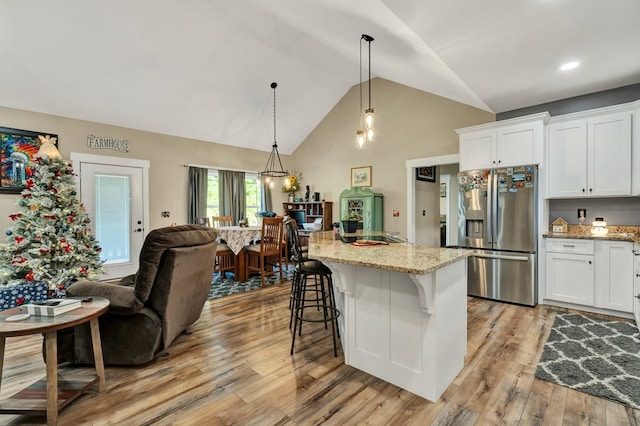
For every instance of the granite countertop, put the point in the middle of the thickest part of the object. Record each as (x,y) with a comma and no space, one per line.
(583,232)
(400,257)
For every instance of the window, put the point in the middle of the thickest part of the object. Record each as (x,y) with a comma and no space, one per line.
(213,198)
(252,196)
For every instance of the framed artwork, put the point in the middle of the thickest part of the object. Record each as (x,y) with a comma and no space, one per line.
(17,148)
(361,176)
(427,174)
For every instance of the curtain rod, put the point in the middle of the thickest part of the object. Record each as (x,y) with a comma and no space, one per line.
(219,168)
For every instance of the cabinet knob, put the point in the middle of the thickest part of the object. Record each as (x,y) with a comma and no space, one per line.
(499,161)
(590,189)
(638,296)
(583,190)
(589,262)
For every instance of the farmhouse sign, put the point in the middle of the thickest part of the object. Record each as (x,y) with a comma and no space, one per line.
(107,143)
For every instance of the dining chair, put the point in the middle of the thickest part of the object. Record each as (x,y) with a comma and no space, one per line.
(225,258)
(218,221)
(202,221)
(269,249)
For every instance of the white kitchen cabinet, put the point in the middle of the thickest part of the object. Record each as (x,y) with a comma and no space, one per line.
(636,280)
(590,157)
(570,271)
(506,143)
(614,275)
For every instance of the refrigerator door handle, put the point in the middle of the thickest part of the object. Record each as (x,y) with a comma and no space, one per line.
(490,190)
(501,256)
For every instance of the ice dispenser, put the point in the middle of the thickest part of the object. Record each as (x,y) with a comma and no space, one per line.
(474,224)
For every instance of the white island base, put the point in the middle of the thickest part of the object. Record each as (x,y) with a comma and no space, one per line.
(407,329)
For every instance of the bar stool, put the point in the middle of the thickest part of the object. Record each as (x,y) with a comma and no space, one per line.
(318,294)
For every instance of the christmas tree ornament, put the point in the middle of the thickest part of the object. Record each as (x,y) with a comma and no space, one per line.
(48,148)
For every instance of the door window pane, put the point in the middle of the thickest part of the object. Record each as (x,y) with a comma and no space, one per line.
(113,217)
(252,197)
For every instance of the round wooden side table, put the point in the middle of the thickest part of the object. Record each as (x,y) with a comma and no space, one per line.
(49,402)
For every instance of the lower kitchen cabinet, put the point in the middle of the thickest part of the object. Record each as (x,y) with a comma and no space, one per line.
(570,278)
(614,275)
(636,280)
(597,274)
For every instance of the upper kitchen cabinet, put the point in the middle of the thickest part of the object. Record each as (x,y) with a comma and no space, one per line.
(514,142)
(589,156)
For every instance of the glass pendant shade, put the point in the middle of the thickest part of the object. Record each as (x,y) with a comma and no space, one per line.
(369,127)
(360,139)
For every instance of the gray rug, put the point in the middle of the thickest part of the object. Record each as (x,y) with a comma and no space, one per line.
(225,285)
(594,356)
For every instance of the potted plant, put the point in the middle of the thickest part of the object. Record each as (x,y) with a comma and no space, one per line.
(350,222)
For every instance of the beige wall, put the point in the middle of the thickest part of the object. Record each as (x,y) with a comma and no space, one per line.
(167,155)
(410,124)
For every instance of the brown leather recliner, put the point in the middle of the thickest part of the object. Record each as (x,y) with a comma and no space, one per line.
(151,308)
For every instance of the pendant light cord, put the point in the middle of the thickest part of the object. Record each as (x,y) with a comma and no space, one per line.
(273,86)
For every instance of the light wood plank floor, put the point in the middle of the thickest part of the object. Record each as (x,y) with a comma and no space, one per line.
(235,368)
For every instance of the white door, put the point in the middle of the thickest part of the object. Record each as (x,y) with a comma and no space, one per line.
(114,196)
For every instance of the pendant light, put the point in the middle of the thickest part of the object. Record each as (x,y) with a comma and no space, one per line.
(368,122)
(273,168)
(369,119)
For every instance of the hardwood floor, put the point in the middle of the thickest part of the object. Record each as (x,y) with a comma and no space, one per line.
(235,368)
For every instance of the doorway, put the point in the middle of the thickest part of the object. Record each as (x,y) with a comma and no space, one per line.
(115,193)
(446,164)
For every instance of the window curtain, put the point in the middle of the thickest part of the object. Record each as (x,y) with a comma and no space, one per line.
(265,195)
(232,194)
(197,193)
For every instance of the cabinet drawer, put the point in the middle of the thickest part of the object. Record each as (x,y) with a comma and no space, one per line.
(559,245)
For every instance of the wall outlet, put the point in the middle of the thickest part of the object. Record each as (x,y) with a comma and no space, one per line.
(582,213)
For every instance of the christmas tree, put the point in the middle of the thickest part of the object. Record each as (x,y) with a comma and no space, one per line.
(49,241)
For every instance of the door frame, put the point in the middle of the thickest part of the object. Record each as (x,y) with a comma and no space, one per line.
(411,166)
(79,157)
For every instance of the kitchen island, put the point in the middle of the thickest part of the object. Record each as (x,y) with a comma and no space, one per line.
(403,310)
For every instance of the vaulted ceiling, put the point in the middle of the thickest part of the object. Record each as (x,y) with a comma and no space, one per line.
(202,68)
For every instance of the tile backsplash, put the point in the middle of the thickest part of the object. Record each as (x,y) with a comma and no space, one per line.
(616,211)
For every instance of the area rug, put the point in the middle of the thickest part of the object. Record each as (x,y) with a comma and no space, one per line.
(224,285)
(594,356)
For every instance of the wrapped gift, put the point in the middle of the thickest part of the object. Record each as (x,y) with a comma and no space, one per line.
(20,294)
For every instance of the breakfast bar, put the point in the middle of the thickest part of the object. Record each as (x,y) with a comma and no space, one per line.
(404,309)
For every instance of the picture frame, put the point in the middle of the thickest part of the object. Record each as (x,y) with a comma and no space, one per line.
(426,174)
(17,148)
(361,176)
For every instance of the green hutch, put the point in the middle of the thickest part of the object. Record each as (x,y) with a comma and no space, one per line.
(368,205)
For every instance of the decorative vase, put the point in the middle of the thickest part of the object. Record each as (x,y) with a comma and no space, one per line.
(292,197)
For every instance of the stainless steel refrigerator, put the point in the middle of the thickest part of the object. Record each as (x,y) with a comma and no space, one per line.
(497,218)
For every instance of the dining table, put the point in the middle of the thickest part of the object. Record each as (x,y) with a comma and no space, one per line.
(237,238)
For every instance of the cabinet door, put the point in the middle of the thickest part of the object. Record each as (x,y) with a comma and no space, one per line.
(636,280)
(614,275)
(477,150)
(609,141)
(519,145)
(569,278)
(567,159)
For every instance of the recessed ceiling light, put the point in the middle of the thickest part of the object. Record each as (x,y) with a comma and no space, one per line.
(569,66)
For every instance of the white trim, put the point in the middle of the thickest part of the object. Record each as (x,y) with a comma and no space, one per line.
(411,166)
